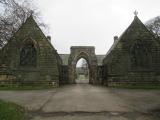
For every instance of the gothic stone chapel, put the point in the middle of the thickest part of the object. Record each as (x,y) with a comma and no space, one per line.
(29,59)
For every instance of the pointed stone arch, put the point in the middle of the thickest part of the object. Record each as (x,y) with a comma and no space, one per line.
(88,53)
(140,55)
(28,53)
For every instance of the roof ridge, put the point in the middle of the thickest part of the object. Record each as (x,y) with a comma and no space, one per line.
(136,20)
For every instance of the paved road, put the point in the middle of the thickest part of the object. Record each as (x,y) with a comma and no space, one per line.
(88,102)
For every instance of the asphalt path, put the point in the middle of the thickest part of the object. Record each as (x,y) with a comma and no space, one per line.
(87,102)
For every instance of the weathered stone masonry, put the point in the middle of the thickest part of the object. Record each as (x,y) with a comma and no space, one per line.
(134,58)
(30,59)
(69,62)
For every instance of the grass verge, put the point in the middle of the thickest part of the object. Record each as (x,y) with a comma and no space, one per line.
(25,87)
(130,86)
(11,111)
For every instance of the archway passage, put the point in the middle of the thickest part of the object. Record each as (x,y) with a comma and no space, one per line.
(82,72)
(88,53)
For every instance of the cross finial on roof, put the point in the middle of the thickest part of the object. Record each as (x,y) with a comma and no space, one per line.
(135,13)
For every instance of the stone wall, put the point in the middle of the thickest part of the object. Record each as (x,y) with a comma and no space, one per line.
(65,75)
(31,58)
(88,53)
(134,58)
(88,50)
(100,74)
(0,56)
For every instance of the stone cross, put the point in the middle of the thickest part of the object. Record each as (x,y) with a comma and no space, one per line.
(135,13)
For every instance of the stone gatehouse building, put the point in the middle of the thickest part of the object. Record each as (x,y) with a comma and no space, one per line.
(69,62)
(30,59)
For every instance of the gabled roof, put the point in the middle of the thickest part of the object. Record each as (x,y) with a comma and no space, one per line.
(137,28)
(29,29)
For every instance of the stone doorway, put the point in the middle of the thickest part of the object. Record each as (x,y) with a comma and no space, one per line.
(88,53)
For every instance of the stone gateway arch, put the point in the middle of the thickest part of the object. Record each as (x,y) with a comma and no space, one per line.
(88,53)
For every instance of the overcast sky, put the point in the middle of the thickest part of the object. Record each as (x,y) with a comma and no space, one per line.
(92,22)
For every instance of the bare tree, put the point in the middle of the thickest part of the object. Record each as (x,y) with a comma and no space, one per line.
(15,14)
(154,25)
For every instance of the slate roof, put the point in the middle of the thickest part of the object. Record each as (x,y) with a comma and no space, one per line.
(30,30)
(135,25)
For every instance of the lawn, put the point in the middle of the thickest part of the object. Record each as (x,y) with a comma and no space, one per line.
(11,87)
(11,111)
(130,86)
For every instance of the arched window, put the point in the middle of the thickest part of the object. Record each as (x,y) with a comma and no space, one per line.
(139,55)
(28,54)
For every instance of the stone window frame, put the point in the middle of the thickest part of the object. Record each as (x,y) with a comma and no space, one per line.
(36,49)
(148,55)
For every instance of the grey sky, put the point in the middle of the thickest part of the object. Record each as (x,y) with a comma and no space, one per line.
(92,22)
